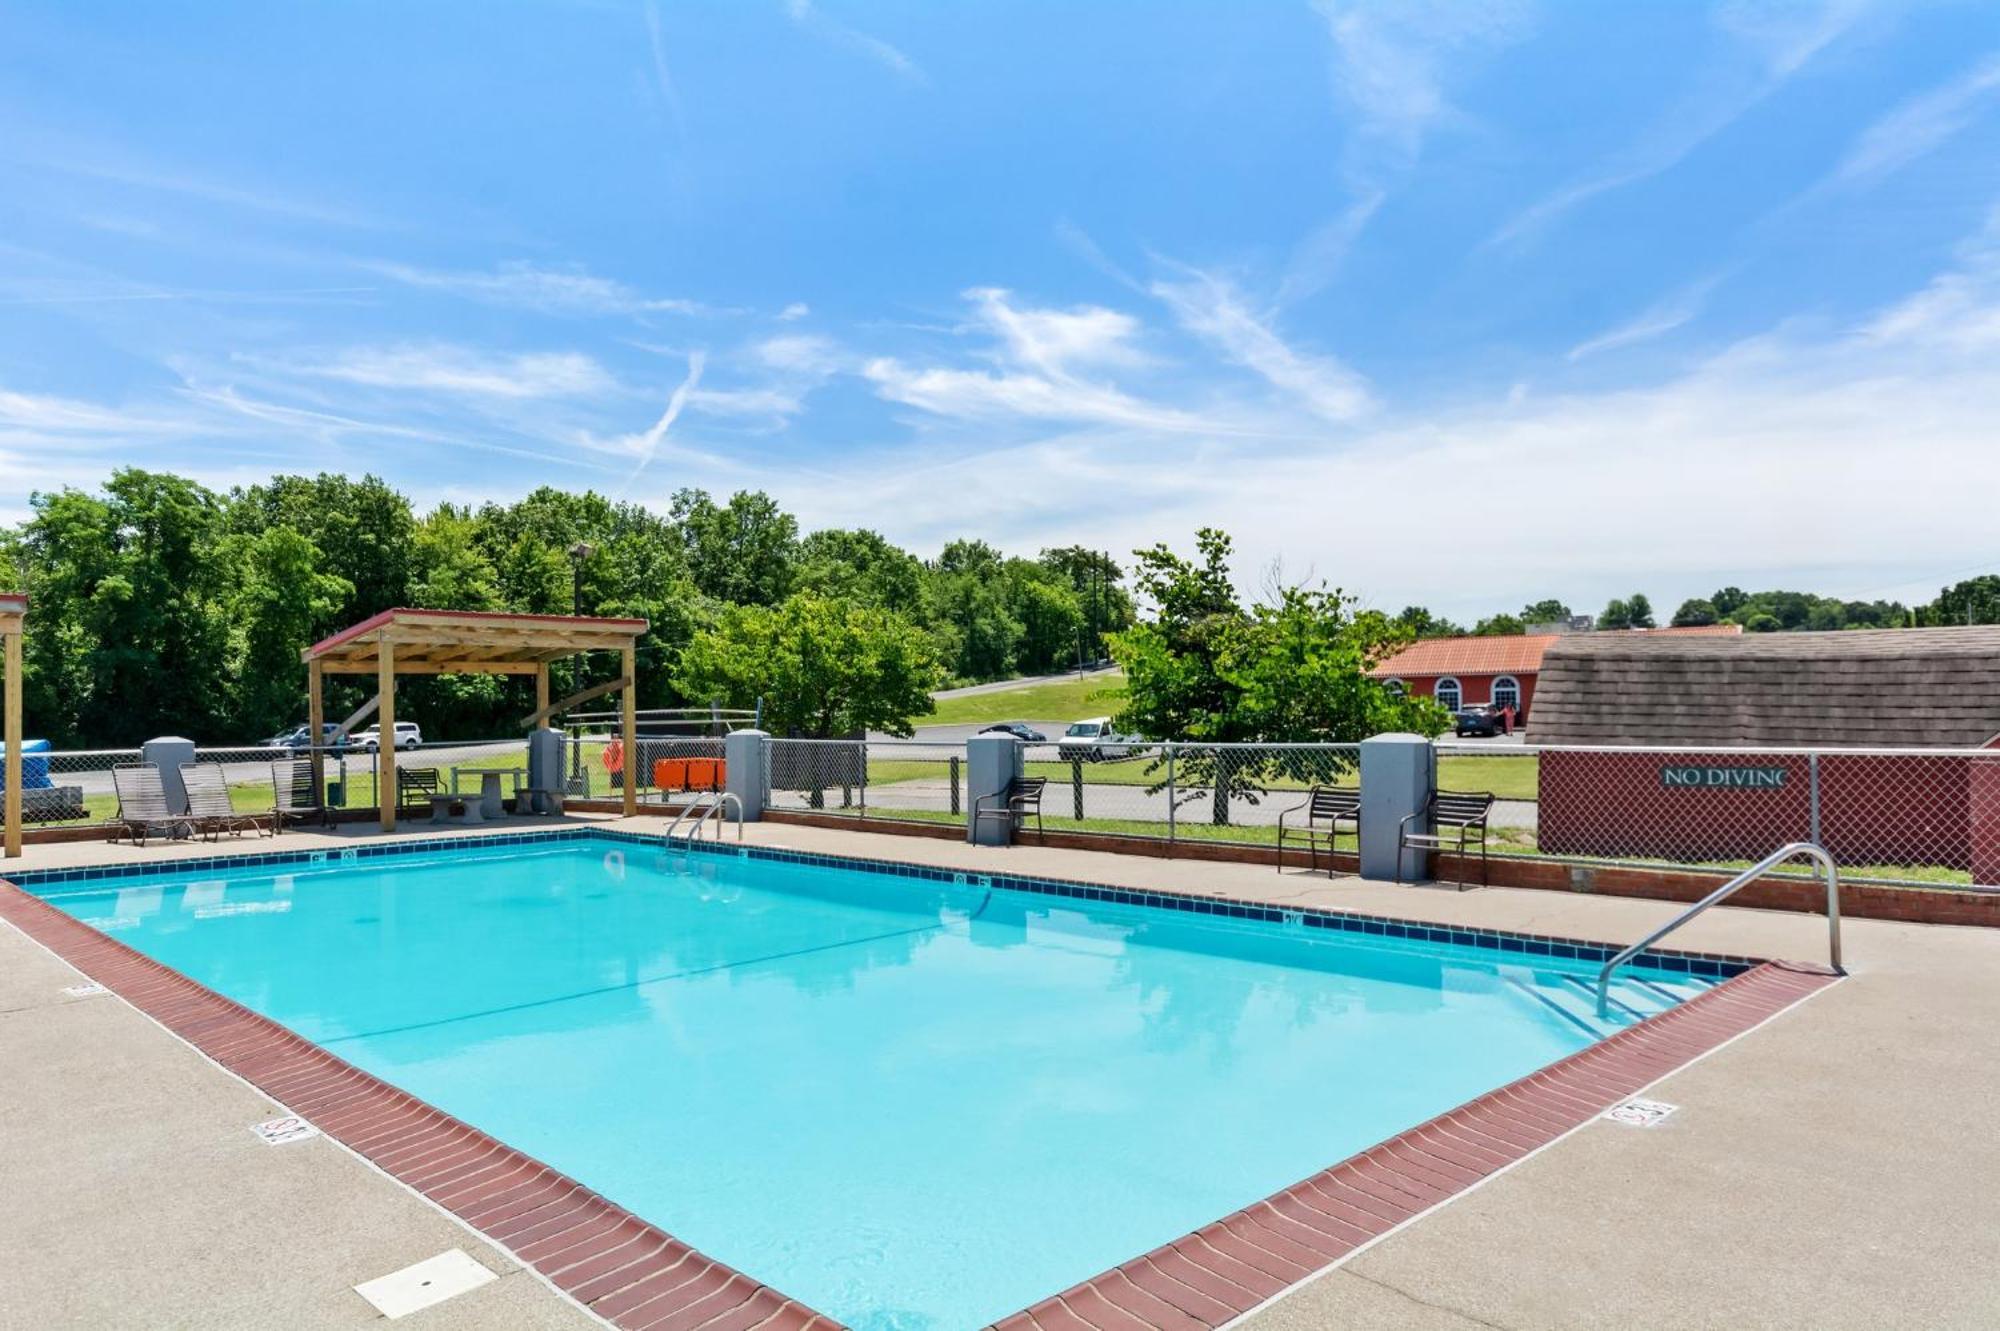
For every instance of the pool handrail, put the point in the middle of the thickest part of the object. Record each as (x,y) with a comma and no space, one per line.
(1789,851)
(708,804)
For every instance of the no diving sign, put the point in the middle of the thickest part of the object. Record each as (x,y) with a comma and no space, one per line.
(1640,1113)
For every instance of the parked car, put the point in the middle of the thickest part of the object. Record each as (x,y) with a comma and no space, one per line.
(369,740)
(1020,730)
(297,738)
(1094,739)
(1478,719)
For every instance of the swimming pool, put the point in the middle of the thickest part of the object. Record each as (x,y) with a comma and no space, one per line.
(909,1101)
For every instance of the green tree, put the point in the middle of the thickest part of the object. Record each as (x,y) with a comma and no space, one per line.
(279,598)
(1499,626)
(860,565)
(1423,624)
(1204,668)
(1640,610)
(1052,622)
(823,668)
(1617,614)
(744,552)
(1974,601)
(1546,611)
(1695,613)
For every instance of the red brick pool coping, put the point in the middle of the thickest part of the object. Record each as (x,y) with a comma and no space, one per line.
(629,1272)
(1239,1262)
(636,1276)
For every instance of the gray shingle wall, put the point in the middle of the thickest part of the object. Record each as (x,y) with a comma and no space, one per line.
(1890,688)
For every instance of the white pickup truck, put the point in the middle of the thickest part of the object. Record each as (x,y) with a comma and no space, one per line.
(1094,739)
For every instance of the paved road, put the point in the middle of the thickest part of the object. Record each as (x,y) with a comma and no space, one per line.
(1003,685)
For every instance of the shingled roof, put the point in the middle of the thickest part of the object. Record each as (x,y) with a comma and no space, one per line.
(1890,688)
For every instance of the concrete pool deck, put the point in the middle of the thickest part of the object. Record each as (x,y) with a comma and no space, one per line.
(1830,1168)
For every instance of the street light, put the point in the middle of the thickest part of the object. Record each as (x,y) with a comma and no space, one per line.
(578,554)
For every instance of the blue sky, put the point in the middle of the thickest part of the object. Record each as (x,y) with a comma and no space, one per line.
(1459,304)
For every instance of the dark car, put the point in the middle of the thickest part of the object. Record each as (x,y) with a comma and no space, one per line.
(1018,729)
(1479,719)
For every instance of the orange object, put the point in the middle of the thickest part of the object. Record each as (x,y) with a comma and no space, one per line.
(670,773)
(614,757)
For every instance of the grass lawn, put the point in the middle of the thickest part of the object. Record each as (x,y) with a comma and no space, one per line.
(1513,777)
(1057,700)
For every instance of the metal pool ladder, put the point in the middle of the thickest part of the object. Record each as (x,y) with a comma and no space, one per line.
(706,807)
(1750,875)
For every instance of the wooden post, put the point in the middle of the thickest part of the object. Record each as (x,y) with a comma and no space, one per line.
(385,748)
(541,686)
(13,726)
(628,708)
(315,722)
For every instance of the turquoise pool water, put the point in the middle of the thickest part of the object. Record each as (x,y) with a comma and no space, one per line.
(910,1104)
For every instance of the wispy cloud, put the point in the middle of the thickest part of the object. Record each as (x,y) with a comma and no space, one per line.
(977,394)
(567,290)
(809,15)
(1389,69)
(1919,126)
(647,443)
(1057,341)
(793,312)
(1212,309)
(1776,42)
(444,368)
(1673,311)
(1046,359)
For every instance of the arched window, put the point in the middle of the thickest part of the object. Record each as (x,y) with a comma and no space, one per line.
(1507,692)
(1396,686)
(1448,694)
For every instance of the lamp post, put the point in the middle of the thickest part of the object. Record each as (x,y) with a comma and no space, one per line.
(578,554)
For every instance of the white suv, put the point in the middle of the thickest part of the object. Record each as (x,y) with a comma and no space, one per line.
(369,740)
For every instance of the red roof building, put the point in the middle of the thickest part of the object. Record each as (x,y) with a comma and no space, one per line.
(1498,671)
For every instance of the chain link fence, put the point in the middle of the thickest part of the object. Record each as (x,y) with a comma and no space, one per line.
(900,780)
(1910,817)
(1898,817)
(1187,792)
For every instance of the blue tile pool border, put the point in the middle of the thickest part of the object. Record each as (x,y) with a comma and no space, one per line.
(1702,964)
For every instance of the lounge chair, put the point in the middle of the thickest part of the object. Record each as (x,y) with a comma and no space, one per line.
(209,807)
(142,805)
(298,796)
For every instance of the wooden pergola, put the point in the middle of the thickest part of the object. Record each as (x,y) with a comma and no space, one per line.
(13,612)
(461,642)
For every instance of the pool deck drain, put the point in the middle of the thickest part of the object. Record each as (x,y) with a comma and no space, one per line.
(1270,1241)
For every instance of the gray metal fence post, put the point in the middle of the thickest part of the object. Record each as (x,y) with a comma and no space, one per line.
(1812,782)
(1171,802)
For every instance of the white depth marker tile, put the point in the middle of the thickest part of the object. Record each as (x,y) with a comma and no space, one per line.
(88,989)
(283,1131)
(1640,1113)
(430,1281)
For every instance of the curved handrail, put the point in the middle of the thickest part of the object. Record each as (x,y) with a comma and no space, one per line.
(707,805)
(1777,857)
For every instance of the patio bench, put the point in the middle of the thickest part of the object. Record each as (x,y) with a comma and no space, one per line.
(1325,809)
(1022,796)
(1458,821)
